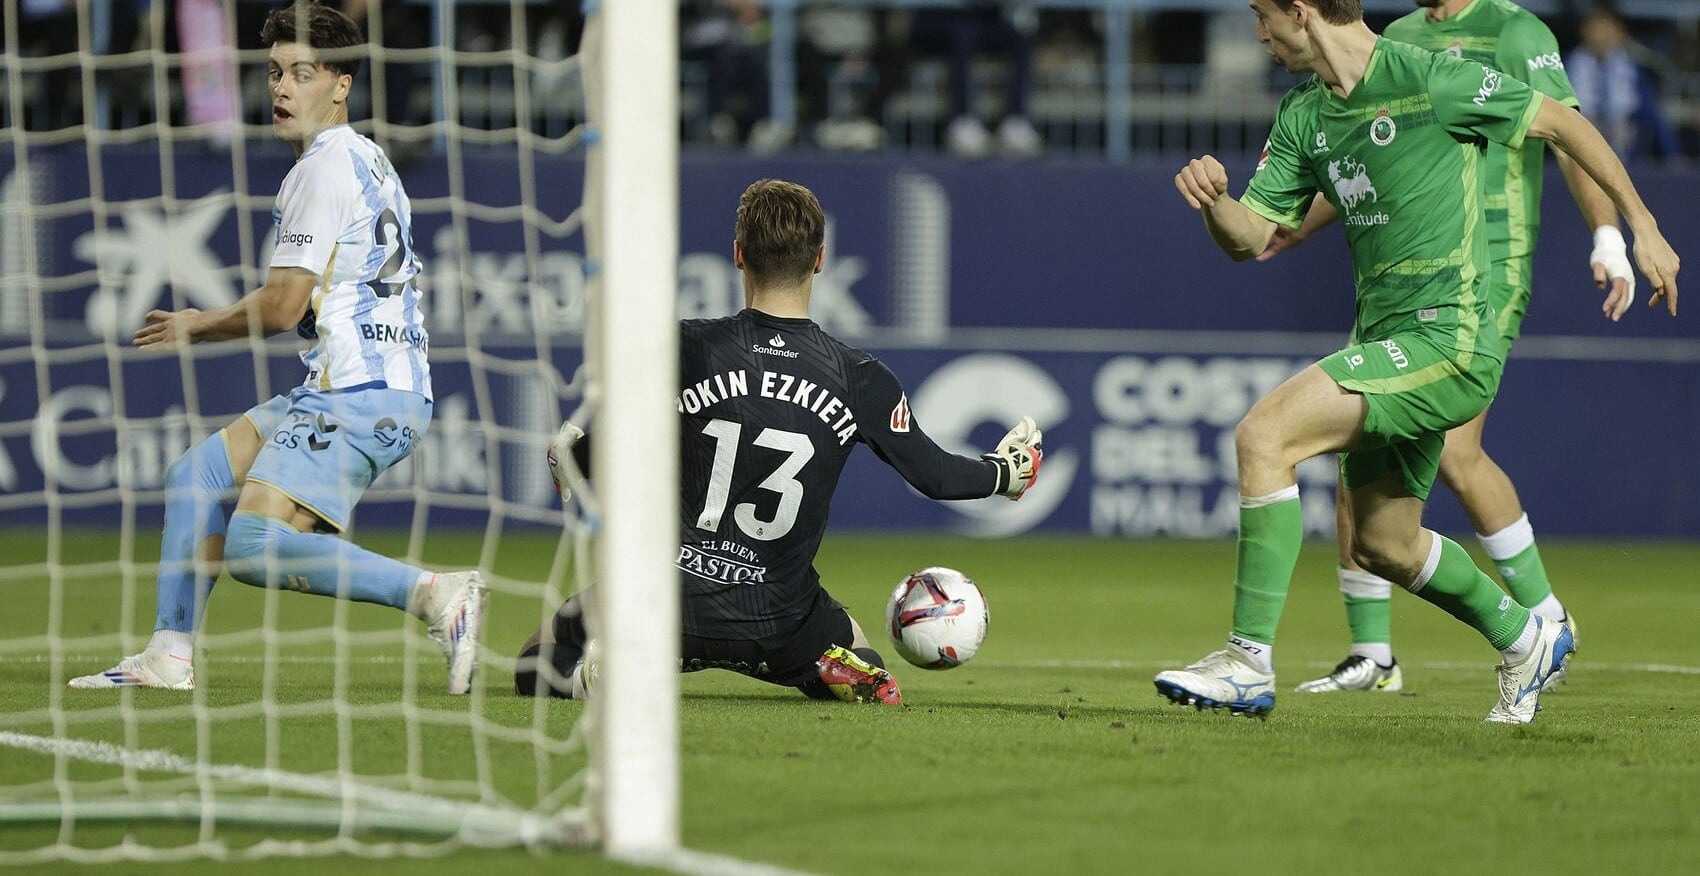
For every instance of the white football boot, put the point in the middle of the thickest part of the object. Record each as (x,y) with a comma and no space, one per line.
(148,669)
(1357,672)
(1557,679)
(459,621)
(1220,681)
(1520,683)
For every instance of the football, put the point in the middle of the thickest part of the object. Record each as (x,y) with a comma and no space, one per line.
(937,618)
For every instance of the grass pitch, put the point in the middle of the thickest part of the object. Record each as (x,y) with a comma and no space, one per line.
(1050,752)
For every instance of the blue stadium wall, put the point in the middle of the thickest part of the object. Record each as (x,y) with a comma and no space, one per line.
(1084,295)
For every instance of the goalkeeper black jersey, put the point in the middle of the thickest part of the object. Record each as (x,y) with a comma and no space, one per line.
(770,410)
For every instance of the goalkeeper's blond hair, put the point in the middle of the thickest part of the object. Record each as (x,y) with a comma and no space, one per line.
(780,228)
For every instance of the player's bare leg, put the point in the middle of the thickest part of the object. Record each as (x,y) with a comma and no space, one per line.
(1388,536)
(1490,499)
(1307,415)
(1370,665)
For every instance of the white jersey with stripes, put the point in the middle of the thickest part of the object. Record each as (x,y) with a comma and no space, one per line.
(342,214)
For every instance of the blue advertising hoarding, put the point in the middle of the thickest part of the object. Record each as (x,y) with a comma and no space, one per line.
(1139,443)
(1084,295)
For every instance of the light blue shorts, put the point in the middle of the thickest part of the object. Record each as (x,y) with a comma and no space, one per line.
(323,449)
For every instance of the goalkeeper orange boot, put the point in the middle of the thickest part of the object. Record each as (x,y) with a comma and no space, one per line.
(854,680)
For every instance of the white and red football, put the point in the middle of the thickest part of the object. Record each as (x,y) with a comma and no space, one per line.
(937,618)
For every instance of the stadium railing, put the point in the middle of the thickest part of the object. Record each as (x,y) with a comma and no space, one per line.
(1107,104)
(1142,109)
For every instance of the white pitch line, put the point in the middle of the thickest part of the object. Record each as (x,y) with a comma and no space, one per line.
(1428,665)
(1166,663)
(160,760)
(311,659)
(698,863)
(687,861)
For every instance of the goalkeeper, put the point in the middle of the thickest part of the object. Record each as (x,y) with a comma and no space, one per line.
(342,276)
(771,408)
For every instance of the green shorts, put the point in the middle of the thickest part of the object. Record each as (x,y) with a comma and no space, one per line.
(1418,386)
(1509,293)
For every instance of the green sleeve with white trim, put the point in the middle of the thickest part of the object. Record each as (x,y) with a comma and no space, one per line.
(1476,101)
(1281,188)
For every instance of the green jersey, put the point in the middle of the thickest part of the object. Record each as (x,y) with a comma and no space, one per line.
(1401,159)
(1502,35)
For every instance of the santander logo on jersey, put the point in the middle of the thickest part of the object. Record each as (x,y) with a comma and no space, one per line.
(775,347)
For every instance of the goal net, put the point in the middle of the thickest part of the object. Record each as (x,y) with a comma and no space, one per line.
(138,172)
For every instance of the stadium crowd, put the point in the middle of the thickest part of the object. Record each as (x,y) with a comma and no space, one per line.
(970,77)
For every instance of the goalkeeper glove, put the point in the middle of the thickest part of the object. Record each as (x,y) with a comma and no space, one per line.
(561,467)
(1018,457)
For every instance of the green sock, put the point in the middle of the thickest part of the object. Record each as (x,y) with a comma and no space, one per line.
(1271,533)
(1371,620)
(1468,594)
(1525,576)
(1514,554)
(1369,606)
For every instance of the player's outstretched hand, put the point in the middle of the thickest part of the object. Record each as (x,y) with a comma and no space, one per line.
(1612,271)
(1202,181)
(1018,457)
(1653,254)
(1283,239)
(561,468)
(166,328)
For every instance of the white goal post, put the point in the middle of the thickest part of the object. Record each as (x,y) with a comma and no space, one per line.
(632,186)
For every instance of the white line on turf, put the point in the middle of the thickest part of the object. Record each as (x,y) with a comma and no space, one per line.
(160,760)
(1427,665)
(688,861)
(697,863)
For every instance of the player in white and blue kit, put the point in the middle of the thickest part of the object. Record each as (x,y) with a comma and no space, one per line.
(343,276)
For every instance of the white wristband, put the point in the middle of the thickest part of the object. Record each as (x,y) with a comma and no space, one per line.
(1607,236)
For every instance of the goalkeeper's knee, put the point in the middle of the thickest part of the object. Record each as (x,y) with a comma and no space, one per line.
(546,668)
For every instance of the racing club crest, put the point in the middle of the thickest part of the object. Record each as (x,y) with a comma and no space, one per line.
(1381,128)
